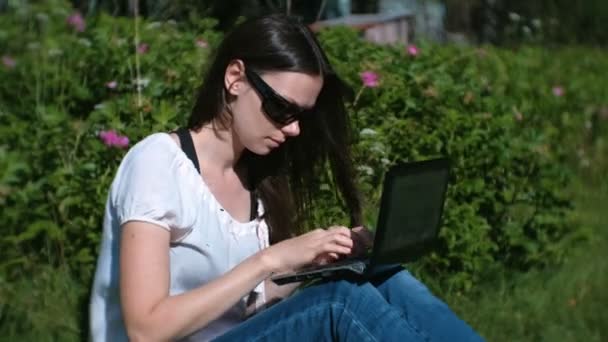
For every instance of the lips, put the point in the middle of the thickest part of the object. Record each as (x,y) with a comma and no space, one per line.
(278,142)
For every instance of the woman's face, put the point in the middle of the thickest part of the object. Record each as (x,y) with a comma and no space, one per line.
(259,131)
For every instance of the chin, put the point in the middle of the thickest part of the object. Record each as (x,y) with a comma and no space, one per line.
(261,150)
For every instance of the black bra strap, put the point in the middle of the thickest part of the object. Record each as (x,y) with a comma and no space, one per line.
(185,139)
(254,206)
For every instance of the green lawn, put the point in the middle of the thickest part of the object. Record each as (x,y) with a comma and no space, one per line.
(563,304)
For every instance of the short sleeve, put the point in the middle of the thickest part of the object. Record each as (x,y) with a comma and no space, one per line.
(147,187)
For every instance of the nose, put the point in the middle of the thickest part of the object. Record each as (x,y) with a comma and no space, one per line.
(292,129)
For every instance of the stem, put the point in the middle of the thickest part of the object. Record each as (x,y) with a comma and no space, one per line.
(358,95)
(138,74)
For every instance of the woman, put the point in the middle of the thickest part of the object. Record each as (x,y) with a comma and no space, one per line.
(197,220)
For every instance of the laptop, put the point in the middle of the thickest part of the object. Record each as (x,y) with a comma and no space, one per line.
(409,218)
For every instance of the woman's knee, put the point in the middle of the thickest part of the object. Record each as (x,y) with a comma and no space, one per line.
(346,291)
(404,280)
(404,285)
(340,288)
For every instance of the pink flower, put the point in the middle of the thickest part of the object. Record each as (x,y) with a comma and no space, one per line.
(142,48)
(76,21)
(112,139)
(111,84)
(9,62)
(558,91)
(370,79)
(201,43)
(412,50)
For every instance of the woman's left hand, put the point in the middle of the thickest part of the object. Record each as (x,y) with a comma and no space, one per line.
(363,239)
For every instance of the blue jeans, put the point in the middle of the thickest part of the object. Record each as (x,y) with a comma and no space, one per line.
(394,307)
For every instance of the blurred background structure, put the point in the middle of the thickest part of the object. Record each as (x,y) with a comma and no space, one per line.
(514,92)
(463,21)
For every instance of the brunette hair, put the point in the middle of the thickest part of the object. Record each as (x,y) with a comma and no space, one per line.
(286,179)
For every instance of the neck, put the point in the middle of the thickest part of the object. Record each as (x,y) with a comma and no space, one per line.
(217,147)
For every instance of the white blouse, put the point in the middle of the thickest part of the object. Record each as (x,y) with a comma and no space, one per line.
(157,183)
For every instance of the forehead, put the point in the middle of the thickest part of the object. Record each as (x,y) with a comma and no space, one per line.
(299,88)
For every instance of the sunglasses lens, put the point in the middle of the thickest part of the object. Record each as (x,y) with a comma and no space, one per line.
(279,112)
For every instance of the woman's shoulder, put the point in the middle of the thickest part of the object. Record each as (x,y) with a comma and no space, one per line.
(156,148)
(155,156)
(159,142)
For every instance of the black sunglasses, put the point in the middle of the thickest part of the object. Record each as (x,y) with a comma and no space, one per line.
(276,107)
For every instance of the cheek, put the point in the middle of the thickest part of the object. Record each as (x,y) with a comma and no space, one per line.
(250,124)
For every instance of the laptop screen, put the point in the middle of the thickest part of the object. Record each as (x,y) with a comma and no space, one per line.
(410,213)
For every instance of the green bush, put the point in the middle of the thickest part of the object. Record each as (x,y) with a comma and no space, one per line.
(505,205)
(492,112)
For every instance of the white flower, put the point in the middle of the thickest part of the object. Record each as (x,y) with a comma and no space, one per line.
(100,106)
(365,169)
(378,148)
(526,30)
(141,82)
(385,161)
(33,45)
(55,52)
(368,132)
(514,16)
(85,42)
(536,23)
(42,17)
(154,25)
(580,152)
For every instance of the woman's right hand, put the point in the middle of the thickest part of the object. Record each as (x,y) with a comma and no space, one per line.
(313,247)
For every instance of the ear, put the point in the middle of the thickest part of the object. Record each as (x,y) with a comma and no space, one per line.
(234,77)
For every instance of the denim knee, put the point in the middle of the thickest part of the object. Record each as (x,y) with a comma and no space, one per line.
(343,290)
(356,297)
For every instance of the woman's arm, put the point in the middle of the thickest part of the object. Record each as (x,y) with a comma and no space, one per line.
(149,312)
(362,240)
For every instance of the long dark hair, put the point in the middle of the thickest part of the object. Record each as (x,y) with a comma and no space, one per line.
(286,179)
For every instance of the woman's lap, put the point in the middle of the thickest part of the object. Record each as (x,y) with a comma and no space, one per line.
(397,307)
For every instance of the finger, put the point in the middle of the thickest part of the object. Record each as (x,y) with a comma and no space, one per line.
(340,230)
(316,232)
(326,258)
(333,247)
(341,240)
(322,235)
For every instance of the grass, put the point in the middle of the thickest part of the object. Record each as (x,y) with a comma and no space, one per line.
(48,305)
(563,304)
